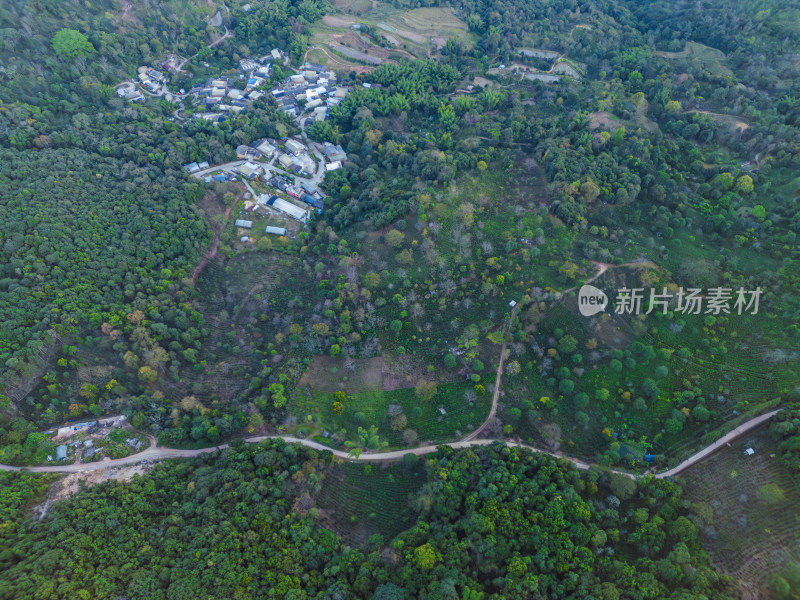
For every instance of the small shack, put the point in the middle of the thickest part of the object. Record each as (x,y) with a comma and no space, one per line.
(61,452)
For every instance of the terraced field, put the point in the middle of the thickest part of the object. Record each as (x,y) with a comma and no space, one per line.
(753,498)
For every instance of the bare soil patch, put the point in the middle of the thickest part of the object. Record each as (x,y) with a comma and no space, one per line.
(332,21)
(352,375)
(72,483)
(603,119)
(732,121)
(610,335)
(355,375)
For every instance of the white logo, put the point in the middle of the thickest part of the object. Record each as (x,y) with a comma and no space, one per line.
(591,300)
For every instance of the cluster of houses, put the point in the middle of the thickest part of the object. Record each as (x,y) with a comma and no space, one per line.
(151,79)
(309,94)
(299,200)
(222,95)
(302,199)
(99,428)
(293,157)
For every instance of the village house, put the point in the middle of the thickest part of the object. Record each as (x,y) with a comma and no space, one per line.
(249,170)
(155,75)
(247,153)
(278,182)
(267,149)
(247,65)
(333,152)
(295,147)
(285,160)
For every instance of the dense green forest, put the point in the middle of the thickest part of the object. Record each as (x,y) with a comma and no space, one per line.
(243,523)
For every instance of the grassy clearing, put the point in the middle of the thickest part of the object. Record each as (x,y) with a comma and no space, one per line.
(371,408)
(352,7)
(729,492)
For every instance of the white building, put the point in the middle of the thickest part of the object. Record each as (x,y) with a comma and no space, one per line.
(290,209)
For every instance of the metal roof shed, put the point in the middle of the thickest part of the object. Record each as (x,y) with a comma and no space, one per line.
(61,452)
(290,209)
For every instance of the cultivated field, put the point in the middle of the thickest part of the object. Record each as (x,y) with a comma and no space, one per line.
(752,498)
(399,33)
(711,58)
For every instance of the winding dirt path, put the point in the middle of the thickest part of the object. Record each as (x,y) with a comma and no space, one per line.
(497,381)
(156,453)
(723,441)
(224,37)
(603,267)
(212,250)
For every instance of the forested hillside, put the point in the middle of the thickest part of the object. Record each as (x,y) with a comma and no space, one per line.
(492,523)
(650,145)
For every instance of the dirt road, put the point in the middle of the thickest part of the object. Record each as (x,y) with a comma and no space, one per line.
(155,453)
(497,381)
(603,267)
(224,37)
